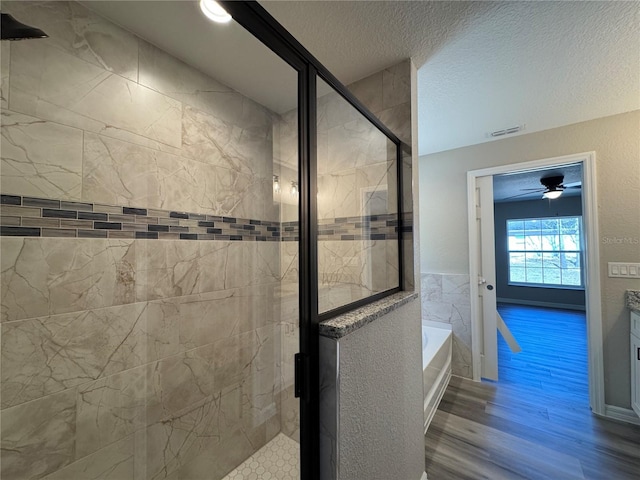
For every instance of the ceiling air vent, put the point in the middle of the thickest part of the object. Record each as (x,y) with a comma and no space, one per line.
(506,131)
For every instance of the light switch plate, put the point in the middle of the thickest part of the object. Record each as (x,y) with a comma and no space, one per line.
(624,270)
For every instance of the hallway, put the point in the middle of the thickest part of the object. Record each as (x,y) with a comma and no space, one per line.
(535,423)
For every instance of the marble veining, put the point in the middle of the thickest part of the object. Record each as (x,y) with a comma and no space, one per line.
(633,300)
(354,144)
(78,31)
(396,85)
(114,462)
(210,139)
(349,322)
(5,63)
(53,85)
(45,276)
(39,437)
(355,269)
(445,298)
(44,355)
(170,76)
(40,158)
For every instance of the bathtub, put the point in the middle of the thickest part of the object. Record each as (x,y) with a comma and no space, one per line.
(436,366)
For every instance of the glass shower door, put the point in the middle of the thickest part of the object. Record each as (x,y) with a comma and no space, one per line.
(357,201)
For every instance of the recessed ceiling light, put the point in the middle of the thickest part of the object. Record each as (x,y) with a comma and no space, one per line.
(213,11)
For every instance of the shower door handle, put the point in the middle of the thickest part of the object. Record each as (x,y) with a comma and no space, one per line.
(301,376)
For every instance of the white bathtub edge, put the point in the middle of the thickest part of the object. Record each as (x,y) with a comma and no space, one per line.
(440,325)
(441,384)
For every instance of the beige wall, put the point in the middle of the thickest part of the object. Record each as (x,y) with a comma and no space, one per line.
(616,141)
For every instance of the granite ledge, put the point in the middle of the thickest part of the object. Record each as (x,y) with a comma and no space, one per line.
(346,323)
(633,300)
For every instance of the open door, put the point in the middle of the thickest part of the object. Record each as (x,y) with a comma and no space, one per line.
(482,269)
(485,276)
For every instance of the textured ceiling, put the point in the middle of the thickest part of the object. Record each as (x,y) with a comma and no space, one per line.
(483,66)
(357,38)
(519,185)
(542,64)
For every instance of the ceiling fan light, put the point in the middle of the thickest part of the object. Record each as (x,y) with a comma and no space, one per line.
(552,194)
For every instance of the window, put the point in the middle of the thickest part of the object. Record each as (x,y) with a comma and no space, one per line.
(545,251)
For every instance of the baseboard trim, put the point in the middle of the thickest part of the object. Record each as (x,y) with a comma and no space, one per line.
(534,303)
(424,476)
(620,414)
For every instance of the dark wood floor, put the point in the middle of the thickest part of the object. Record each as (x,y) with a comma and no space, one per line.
(534,423)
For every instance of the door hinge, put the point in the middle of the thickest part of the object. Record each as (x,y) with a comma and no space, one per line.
(301,387)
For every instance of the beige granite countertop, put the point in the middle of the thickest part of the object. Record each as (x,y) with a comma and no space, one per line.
(346,323)
(633,300)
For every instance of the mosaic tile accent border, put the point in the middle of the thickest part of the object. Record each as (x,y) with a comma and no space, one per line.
(371,227)
(40,217)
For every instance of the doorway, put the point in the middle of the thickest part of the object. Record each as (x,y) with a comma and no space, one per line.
(482,267)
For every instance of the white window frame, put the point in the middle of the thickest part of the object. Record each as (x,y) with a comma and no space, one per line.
(580,253)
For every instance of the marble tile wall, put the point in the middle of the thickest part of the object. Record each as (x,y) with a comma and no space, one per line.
(353,157)
(97,114)
(289,329)
(147,338)
(445,298)
(286,167)
(132,358)
(388,95)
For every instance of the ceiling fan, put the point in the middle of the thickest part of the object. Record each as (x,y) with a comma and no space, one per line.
(553,187)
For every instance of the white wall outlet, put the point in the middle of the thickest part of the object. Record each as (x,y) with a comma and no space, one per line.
(624,270)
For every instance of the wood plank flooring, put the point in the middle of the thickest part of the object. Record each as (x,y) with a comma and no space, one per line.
(534,423)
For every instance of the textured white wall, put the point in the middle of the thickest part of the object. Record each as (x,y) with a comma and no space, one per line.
(381,398)
(616,141)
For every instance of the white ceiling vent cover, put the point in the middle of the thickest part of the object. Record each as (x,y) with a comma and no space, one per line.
(506,131)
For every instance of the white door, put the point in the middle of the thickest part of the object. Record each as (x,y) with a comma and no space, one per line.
(635,362)
(486,269)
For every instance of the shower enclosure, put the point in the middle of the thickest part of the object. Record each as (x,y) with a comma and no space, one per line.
(178,213)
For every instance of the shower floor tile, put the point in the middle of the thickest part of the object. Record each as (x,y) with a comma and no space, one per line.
(277,460)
